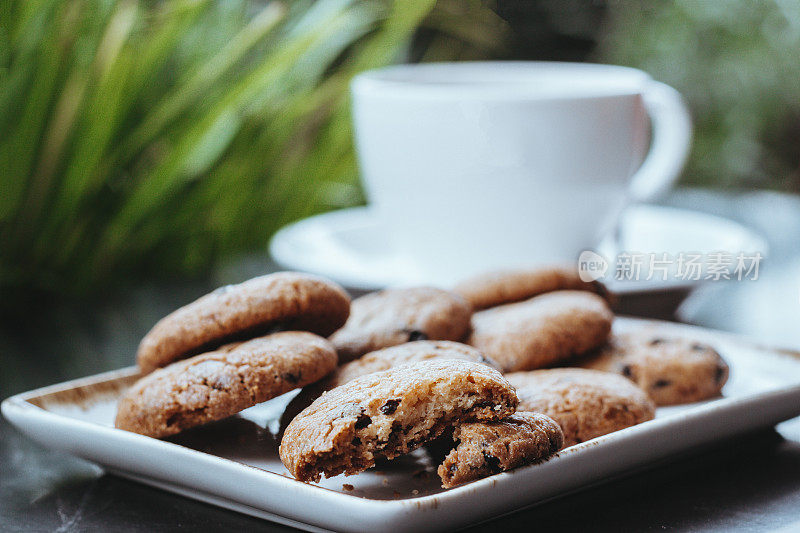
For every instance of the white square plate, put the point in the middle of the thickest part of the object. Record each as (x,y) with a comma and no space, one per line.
(234,463)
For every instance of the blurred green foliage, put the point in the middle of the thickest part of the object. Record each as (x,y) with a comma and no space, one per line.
(144,136)
(737,62)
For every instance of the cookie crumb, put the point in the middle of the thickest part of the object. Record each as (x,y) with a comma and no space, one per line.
(415,492)
(347,486)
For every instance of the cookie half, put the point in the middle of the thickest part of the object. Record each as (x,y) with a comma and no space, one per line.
(218,384)
(487,448)
(396,316)
(285,300)
(542,331)
(585,403)
(410,352)
(390,413)
(670,370)
(381,360)
(508,286)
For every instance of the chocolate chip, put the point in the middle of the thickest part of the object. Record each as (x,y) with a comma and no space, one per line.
(661,383)
(416,335)
(390,407)
(627,371)
(219,386)
(657,341)
(291,378)
(363,421)
(719,374)
(697,347)
(492,463)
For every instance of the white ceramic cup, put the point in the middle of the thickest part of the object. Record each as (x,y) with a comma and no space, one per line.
(475,166)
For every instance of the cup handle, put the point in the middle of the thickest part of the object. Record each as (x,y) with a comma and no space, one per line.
(671,127)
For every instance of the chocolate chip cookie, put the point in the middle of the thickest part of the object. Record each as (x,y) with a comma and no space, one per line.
(395,316)
(486,448)
(218,384)
(390,413)
(670,370)
(508,286)
(542,331)
(409,352)
(378,361)
(585,403)
(285,301)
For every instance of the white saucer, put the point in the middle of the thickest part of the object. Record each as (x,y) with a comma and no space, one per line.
(349,247)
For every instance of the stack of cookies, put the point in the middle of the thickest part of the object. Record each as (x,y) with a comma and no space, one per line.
(216,356)
(468,371)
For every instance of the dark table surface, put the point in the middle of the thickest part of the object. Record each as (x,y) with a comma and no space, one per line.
(751,483)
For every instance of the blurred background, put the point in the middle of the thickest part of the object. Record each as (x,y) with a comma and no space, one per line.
(150,148)
(144,139)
